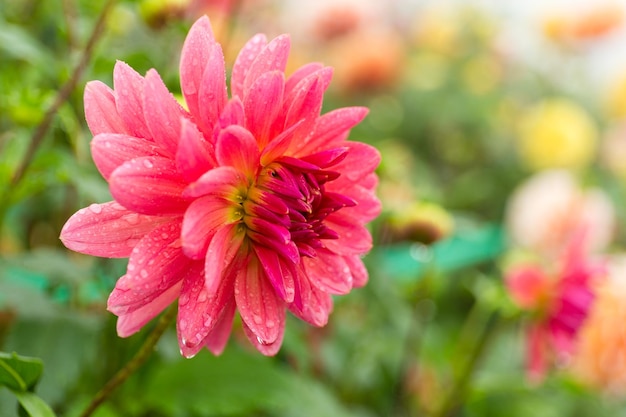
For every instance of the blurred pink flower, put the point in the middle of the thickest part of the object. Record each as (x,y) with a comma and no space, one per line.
(559,300)
(254,203)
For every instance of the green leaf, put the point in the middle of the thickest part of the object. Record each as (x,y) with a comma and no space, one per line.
(33,405)
(19,373)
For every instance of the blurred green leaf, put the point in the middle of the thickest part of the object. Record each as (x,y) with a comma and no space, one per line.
(19,373)
(34,405)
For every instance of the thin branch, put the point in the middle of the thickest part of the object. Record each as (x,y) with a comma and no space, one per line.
(62,96)
(139,359)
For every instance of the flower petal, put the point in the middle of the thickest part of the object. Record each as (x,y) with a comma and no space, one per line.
(220,181)
(310,303)
(233,114)
(236,147)
(244,59)
(202,219)
(279,272)
(212,95)
(107,230)
(129,91)
(267,349)
(162,113)
(354,238)
(222,255)
(149,185)
(218,337)
(110,150)
(357,269)
(273,57)
(331,130)
(100,110)
(130,323)
(194,59)
(328,272)
(156,264)
(198,311)
(361,161)
(260,309)
(299,74)
(262,103)
(195,155)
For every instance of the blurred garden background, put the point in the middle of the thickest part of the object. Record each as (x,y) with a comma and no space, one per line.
(498,276)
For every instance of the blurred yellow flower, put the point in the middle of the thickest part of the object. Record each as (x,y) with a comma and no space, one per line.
(557,133)
(420,222)
(616,98)
(600,358)
(482,74)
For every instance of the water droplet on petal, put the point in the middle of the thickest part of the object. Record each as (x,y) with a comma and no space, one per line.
(261,341)
(164,235)
(257,319)
(147,163)
(95,208)
(144,273)
(202,296)
(184,299)
(132,218)
(269,324)
(183,325)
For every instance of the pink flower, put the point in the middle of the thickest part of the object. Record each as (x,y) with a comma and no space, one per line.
(254,203)
(560,301)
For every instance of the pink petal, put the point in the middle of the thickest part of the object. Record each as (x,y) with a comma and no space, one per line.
(221,181)
(243,62)
(162,113)
(149,185)
(218,337)
(299,74)
(305,102)
(100,110)
(368,205)
(130,323)
(233,114)
(110,150)
(198,310)
(357,269)
(222,255)
(361,161)
(236,147)
(194,60)
(310,304)
(328,272)
(273,57)
(354,238)
(267,349)
(202,219)
(279,145)
(129,91)
(260,309)
(107,230)
(212,95)
(156,264)
(279,272)
(331,130)
(262,103)
(195,155)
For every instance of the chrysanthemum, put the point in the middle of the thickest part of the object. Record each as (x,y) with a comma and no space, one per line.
(254,203)
(559,300)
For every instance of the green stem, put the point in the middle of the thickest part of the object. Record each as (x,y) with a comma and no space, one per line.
(477,317)
(139,359)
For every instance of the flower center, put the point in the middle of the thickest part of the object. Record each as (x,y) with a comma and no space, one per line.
(286,207)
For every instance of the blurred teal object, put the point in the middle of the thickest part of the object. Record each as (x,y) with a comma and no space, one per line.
(409,261)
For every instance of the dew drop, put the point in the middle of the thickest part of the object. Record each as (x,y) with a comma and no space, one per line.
(184,299)
(270,324)
(147,163)
(143,273)
(208,322)
(257,319)
(131,267)
(132,218)
(164,235)
(202,296)
(198,337)
(261,341)
(183,325)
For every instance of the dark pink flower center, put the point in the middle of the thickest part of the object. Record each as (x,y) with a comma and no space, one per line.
(286,207)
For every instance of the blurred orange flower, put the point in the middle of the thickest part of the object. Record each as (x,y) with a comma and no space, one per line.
(600,359)
(580,25)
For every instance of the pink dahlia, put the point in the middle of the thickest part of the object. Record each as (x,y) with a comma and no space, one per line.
(255,204)
(560,301)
